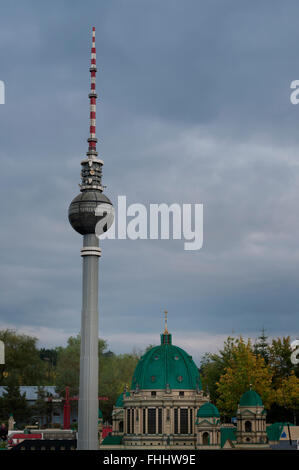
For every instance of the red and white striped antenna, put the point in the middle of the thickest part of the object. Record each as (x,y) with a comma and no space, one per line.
(92,140)
(91,172)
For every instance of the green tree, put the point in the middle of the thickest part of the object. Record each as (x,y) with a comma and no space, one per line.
(13,402)
(244,370)
(261,346)
(22,360)
(68,365)
(211,369)
(288,394)
(213,366)
(115,373)
(49,357)
(280,359)
(42,407)
(49,354)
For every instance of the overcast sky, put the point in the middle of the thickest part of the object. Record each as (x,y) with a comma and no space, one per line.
(194,107)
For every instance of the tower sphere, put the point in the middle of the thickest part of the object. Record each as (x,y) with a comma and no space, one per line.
(82,211)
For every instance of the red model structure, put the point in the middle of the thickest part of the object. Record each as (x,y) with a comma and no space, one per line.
(67,407)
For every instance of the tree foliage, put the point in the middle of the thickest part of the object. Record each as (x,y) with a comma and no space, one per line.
(42,407)
(115,371)
(22,360)
(13,402)
(213,366)
(68,366)
(288,392)
(280,359)
(245,370)
(261,346)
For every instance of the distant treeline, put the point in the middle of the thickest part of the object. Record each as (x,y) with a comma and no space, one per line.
(260,364)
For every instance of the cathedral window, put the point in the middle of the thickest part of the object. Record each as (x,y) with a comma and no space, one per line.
(129,421)
(248,426)
(184,420)
(176,422)
(151,421)
(132,421)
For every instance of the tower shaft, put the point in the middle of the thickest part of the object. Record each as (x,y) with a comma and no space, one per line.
(89,360)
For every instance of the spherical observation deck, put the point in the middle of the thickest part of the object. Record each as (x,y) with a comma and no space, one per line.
(82,215)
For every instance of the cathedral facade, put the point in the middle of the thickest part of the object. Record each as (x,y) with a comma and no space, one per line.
(165,395)
(167,407)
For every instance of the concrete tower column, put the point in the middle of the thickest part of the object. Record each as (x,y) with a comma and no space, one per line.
(89,361)
(85,211)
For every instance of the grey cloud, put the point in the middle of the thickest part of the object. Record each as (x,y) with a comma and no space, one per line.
(194,107)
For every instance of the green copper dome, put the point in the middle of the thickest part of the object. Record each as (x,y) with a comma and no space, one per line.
(166,367)
(208,410)
(251,398)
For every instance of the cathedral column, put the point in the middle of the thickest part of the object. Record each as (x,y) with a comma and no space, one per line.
(146,420)
(140,417)
(167,422)
(172,419)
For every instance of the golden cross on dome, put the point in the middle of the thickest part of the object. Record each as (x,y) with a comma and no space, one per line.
(166,330)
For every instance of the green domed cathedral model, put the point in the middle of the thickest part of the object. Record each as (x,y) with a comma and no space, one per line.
(167,407)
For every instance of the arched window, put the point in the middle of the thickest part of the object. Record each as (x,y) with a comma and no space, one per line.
(248,426)
(206,438)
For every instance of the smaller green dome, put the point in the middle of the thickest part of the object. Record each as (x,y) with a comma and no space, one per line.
(250,398)
(120,400)
(100,414)
(208,410)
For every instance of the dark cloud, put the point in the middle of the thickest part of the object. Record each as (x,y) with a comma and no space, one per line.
(194,108)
